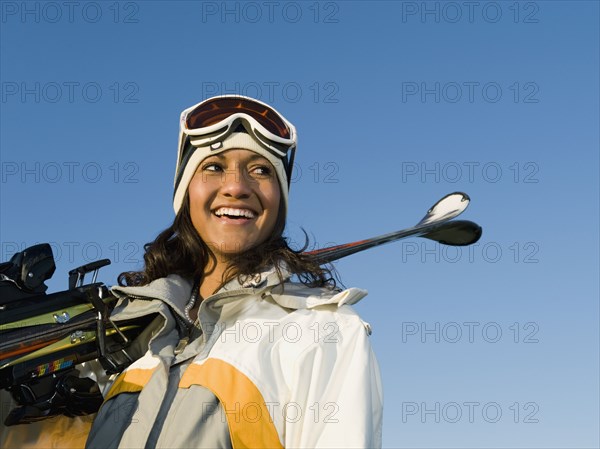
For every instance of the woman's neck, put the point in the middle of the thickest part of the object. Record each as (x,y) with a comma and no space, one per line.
(213,278)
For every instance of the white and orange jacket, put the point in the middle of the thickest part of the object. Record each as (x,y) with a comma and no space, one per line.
(269,365)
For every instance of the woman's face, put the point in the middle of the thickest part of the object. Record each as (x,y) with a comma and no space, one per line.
(234,201)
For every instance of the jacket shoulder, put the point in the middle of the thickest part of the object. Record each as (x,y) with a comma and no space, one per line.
(292,295)
(331,308)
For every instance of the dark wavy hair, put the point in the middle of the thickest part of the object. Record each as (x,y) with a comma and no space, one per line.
(180,250)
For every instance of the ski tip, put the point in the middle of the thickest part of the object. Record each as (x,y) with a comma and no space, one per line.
(456,233)
(448,207)
(462,196)
(452,204)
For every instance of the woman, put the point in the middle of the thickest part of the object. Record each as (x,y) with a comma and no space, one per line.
(238,355)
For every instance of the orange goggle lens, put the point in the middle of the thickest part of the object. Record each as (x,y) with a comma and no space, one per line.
(219,109)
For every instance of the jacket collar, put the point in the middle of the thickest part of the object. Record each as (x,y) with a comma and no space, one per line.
(175,291)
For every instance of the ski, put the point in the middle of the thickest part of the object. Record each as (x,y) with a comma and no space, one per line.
(435,225)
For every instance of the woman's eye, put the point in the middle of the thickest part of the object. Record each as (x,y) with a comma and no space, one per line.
(262,170)
(212,167)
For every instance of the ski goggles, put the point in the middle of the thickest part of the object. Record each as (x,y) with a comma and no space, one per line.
(212,120)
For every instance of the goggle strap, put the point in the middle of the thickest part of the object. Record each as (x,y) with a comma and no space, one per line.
(188,150)
(290,165)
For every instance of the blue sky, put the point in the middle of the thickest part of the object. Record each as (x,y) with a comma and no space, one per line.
(396,104)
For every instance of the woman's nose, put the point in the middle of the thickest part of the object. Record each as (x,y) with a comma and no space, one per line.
(235,182)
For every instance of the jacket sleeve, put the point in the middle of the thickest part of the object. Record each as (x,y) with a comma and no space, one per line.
(336,397)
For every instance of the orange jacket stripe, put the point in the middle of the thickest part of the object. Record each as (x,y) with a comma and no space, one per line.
(249,420)
(131,381)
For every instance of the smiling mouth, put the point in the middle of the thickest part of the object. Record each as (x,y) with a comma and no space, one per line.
(234,213)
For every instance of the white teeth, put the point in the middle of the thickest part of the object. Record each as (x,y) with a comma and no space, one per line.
(234,212)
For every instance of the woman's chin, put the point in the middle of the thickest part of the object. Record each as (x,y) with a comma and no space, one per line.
(228,252)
